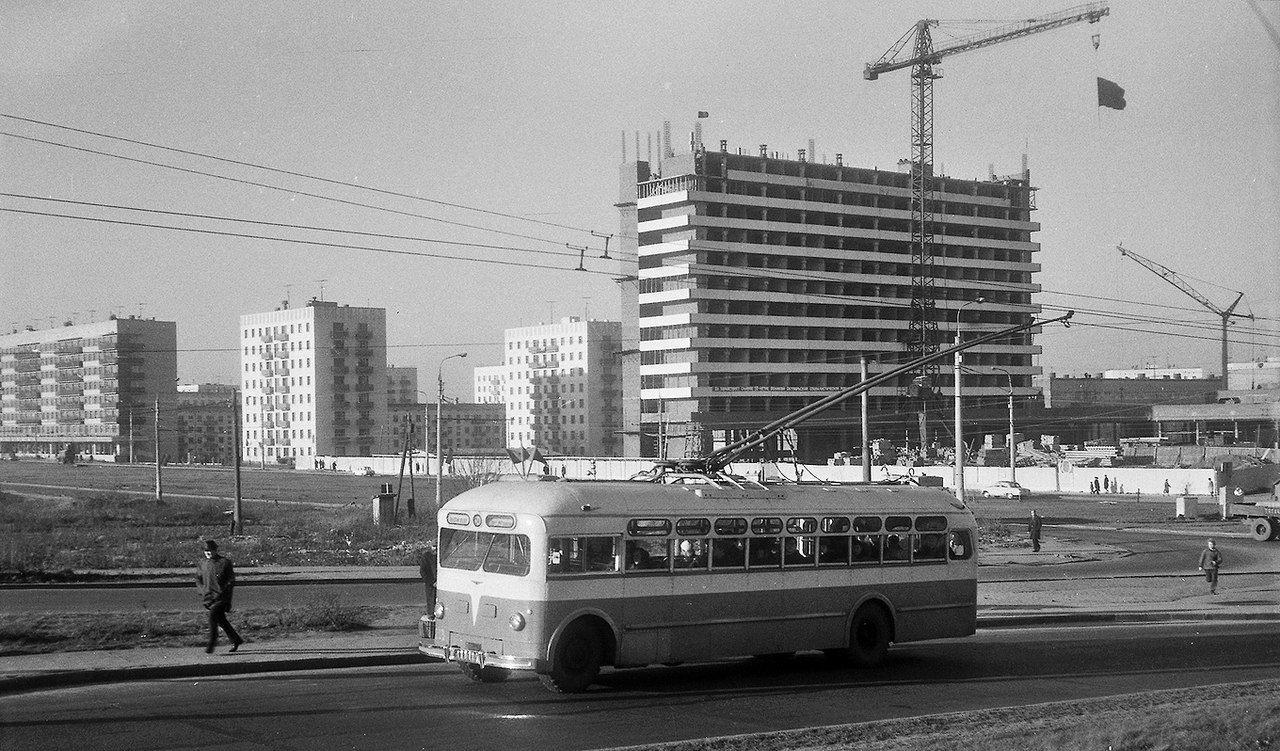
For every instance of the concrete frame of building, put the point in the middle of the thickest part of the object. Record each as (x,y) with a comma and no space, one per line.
(761,281)
(94,387)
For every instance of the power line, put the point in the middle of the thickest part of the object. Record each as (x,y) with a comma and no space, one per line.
(269,186)
(341,246)
(284,225)
(291,173)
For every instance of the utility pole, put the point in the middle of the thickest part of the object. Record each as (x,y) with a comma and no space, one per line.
(1013,448)
(439,423)
(236,523)
(155,425)
(129,414)
(866,427)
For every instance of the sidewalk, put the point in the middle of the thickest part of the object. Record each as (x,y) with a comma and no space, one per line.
(1056,599)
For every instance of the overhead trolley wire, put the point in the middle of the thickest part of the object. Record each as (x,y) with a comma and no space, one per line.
(292,173)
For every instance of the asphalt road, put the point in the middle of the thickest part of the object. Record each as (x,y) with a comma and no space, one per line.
(434,706)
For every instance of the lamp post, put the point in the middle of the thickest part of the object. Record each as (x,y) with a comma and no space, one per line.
(439,422)
(959,359)
(1013,449)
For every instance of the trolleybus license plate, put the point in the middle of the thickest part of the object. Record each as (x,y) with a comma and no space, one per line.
(466,655)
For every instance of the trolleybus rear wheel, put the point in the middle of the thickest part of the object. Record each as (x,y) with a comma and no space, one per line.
(869,636)
(576,661)
(488,674)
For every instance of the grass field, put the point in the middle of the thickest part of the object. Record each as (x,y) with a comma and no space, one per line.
(56,519)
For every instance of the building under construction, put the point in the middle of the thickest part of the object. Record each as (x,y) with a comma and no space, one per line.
(761,283)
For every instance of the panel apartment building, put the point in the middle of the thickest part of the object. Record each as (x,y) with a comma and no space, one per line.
(763,281)
(561,388)
(93,386)
(314,383)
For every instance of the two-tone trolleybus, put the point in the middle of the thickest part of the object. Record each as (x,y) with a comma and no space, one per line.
(691,563)
(562,578)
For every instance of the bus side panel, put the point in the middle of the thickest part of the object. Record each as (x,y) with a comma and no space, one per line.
(716,616)
(646,611)
(819,607)
(935,610)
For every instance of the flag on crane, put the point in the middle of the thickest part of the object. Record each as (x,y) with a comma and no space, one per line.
(1110,94)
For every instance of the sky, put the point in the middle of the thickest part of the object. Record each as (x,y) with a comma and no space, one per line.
(387,118)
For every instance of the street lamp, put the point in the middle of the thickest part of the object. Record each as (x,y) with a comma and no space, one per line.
(439,422)
(1013,449)
(959,429)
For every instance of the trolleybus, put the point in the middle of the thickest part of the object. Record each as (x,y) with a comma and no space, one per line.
(563,578)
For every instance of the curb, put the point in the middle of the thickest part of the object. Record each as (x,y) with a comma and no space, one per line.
(1067,619)
(65,678)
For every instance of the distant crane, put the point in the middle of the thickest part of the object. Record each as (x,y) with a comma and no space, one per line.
(921,57)
(1170,276)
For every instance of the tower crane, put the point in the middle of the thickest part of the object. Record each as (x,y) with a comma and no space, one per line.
(1170,276)
(915,50)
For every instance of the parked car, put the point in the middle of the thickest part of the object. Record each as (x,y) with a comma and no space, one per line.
(1006,489)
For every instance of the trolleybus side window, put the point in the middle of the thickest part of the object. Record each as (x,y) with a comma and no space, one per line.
(960,545)
(729,552)
(930,540)
(648,554)
(764,552)
(582,555)
(897,542)
(732,525)
(865,545)
(691,554)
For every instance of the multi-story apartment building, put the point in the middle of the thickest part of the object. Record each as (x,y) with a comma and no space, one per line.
(96,387)
(206,423)
(763,282)
(560,386)
(314,383)
(402,385)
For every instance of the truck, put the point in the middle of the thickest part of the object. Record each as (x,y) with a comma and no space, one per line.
(1261,516)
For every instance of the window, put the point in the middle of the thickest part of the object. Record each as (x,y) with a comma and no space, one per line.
(766,525)
(582,555)
(764,552)
(960,545)
(495,553)
(647,555)
(649,527)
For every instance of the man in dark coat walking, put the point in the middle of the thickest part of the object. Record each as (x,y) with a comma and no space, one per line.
(1033,529)
(216,580)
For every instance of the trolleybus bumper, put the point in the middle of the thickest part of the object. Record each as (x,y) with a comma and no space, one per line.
(484,659)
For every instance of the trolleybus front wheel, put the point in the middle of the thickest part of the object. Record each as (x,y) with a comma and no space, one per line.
(487,674)
(576,661)
(869,636)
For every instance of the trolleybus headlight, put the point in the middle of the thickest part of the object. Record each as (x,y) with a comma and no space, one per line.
(516,622)
(438,610)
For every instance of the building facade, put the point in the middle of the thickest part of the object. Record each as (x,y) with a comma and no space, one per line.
(314,383)
(560,387)
(96,387)
(206,423)
(762,283)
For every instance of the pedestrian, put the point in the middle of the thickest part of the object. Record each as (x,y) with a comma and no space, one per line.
(1106,484)
(1166,487)
(216,580)
(1033,528)
(1210,562)
(1093,486)
(427,570)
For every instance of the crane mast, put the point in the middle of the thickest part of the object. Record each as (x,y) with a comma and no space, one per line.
(923,331)
(1171,276)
